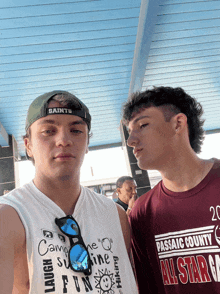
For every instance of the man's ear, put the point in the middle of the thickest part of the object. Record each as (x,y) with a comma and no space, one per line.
(118,190)
(180,121)
(27,144)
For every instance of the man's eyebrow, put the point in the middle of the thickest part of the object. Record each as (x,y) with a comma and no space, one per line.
(77,122)
(140,117)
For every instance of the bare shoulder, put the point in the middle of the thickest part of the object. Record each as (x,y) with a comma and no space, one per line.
(124,226)
(12,244)
(12,232)
(10,222)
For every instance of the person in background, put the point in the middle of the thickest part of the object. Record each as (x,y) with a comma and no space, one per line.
(6,191)
(175,226)
(126,188)
(55,235)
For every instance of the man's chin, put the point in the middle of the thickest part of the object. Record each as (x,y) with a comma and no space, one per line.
(64,178)
(144,165)
(63,175)
(141,164)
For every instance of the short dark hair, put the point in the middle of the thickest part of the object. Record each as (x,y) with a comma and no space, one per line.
(121,181)
(174,100)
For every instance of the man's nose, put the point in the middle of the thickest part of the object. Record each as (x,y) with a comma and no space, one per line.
(134,191)
(64,138)
(132,139)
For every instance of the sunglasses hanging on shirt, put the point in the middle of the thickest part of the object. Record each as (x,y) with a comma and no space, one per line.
(79,258)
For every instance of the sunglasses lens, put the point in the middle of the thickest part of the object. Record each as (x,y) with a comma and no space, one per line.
(69,226)
(79,257)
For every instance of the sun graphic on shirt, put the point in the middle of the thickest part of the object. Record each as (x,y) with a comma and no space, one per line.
(104,282)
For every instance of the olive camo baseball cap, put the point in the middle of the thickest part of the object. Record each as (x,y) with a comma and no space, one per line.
(39,108)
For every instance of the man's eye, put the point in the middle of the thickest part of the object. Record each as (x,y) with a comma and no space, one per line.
(48,132)
(144,125)
(76,131)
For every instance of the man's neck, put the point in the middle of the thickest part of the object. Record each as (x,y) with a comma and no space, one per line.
(186,173)
(64,192)
(122,200)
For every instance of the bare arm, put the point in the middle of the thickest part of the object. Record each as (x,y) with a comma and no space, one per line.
(125,227)
(12,238)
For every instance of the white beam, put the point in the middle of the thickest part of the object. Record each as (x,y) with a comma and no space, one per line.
(4,139)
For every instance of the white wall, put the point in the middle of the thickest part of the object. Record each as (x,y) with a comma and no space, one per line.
(211,147)
(99,166)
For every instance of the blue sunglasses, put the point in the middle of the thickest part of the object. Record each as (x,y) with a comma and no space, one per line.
(79,258)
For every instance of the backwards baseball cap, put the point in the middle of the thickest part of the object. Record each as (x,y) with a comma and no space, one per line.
(39,108)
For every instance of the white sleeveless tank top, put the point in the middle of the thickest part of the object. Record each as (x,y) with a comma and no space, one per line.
(47,247)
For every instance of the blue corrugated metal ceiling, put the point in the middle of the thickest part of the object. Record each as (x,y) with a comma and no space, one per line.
(102,50)
(85,47)
(184,51)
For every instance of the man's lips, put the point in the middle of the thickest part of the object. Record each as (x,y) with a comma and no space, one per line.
(63,156)
(137,151)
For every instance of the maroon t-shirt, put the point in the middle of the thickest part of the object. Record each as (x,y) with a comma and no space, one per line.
(176,238)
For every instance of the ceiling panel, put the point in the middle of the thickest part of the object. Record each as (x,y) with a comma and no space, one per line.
(185,52)
(85,47)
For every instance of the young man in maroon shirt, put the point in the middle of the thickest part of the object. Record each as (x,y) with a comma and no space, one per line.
(175,226)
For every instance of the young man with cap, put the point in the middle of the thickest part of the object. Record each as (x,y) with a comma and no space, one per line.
(175,226)
(55,235)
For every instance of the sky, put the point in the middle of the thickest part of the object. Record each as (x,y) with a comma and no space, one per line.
(107,165)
